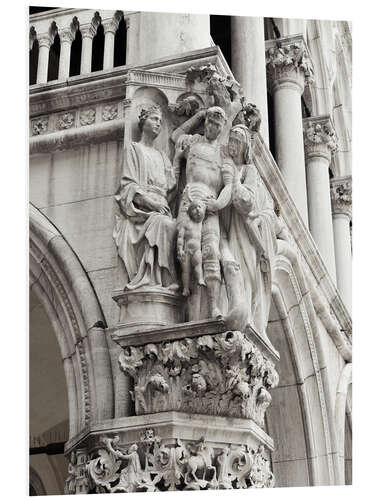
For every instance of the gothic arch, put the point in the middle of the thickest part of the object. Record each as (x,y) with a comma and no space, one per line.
(61,284)
(343,414)
(304,433)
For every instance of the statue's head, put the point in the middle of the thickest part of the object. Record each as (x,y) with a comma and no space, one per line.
(239,144)
(150,120)
(214,123)
(197,211)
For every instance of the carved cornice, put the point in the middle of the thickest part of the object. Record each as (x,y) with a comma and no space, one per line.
(288,63)
(341,196)
(319,137)
(224,374)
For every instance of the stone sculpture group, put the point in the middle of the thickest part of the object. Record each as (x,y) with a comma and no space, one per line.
(218,247)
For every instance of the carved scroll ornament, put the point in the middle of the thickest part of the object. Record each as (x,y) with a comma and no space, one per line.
(152,465)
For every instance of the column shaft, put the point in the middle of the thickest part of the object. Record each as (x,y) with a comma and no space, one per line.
(341,231)
(249,65)
(43,59)
(290,155)
(86,54)
(320,215)
(109,45)
(64,63)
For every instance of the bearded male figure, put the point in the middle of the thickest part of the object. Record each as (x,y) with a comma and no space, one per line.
(205,181)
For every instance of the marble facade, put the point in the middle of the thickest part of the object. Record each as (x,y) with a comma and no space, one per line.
(190,248)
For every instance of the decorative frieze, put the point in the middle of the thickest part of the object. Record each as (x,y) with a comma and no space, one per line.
(65,121)
(87,116)
(341,196)
(153,464)
(39,126)
(224,374)
(319,137)
(110,111)
(288,62)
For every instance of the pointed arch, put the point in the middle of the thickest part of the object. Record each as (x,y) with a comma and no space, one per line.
(61,284)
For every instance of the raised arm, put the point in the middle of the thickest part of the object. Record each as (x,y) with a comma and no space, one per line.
(189,125)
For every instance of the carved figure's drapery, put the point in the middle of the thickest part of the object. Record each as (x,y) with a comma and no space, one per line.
(249,197)
(145,238)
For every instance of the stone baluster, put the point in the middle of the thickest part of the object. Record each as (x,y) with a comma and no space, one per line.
(289,68)
(341,198)
(88,32)
(110,27)
(320,144)
(45,41)
(248,63)
(66,39)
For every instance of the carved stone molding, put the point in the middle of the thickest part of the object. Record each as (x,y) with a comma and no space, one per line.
(224,374)
(154,464)
(319,136)
(288,63)
(341,196)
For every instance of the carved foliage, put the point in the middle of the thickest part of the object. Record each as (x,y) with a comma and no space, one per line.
(286,60)
(318,135)
(110,112)
(341,196)
(225,375)
(65,121)
(87,116)
(152,465)
(39,126)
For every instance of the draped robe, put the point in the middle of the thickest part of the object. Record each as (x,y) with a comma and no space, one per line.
(146,238)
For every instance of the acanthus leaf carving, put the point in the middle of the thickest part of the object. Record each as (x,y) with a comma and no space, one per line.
(223,374)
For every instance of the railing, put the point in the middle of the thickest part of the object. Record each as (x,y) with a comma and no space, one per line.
(70,42)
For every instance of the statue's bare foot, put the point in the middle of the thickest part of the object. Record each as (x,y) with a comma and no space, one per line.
(186,292)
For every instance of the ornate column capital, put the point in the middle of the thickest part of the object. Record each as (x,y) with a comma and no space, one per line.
(341,196)
(111,25)
(88,30)
(319,137)
(288,63)
(45,40)
(66,35)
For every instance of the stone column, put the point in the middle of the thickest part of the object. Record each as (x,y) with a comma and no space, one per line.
(45,41)
(248,63)
(66,39)
(341,197)
(110,27)
(289,68)
(88,33)
(320,144)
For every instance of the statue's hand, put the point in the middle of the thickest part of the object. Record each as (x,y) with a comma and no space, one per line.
(180,253)
(211,205)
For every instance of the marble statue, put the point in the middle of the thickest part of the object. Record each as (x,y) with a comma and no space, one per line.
(189,244)
(145,231)
(204,182)
(251,229)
